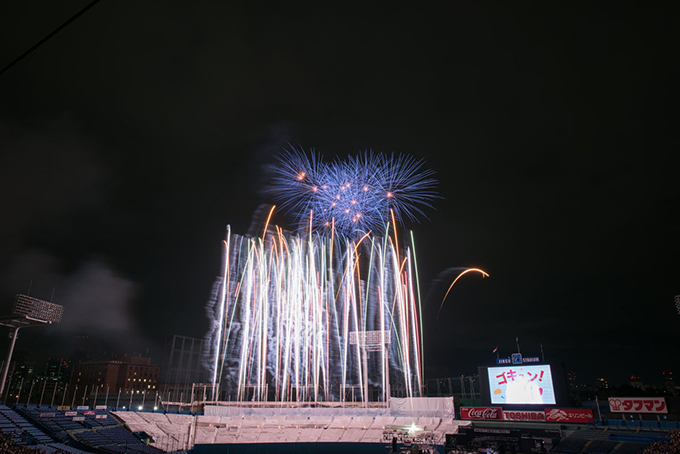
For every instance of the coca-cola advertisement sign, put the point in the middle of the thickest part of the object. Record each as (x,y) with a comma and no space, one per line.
(481,413)
(576,415)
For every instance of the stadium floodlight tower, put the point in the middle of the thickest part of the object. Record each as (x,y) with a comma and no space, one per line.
(26,312)
(373,341)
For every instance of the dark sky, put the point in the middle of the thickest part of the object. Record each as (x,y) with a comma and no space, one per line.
(133,137)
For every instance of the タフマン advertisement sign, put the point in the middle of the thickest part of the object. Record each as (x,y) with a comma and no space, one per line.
(575,415)
(481,413)
(638,405)
(531,416)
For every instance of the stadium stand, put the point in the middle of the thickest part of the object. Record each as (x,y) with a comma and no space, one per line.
(670,445)
(96,429)
(170,432)
(183,431)
(59,424)
(599,447)
(114,439)
(67,449)
(573,442)
(9,446)
(22,430)
(629,448)
(606,441)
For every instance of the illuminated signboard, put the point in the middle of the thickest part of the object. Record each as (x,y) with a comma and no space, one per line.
(575,415)
(532,416)
(481,413)
(521,384)
(638,405)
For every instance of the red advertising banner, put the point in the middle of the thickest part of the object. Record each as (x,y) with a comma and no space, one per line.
(481,413)
(88,412)
(638,405)
(577,415)
(531,416)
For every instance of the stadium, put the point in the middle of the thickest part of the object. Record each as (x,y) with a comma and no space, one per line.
(315,345)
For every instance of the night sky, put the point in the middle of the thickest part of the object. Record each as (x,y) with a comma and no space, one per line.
(134,136)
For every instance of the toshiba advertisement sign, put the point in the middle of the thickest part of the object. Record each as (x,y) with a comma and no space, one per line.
(529,416)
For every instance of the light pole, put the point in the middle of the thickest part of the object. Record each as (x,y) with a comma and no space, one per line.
(63,396)
(30,391)
(54,391)
(42,394)
(20,386)
(73,401)
(26,312)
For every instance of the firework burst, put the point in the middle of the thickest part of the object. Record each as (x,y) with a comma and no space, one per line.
(331,312)
(353,196)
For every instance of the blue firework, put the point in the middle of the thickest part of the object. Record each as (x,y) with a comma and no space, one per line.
(353,195)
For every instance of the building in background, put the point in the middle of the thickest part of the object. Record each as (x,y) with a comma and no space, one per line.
(602,384)
(131,374)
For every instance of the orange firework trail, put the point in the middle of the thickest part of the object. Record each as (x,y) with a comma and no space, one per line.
(469,270)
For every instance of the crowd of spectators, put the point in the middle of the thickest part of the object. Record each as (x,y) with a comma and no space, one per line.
(671,446)
(8,446)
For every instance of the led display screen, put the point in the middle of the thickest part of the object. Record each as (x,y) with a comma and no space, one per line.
(521,384)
